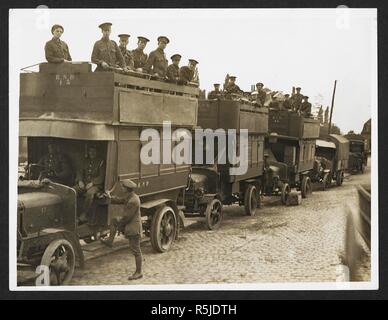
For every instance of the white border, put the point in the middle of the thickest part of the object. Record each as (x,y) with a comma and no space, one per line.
(13,161)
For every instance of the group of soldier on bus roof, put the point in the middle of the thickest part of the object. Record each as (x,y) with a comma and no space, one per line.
(107,55)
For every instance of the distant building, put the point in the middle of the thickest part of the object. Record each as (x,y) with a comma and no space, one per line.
(366,133)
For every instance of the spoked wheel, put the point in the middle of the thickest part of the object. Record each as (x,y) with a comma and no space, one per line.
(163,229)
(306,187)
(251,200)
(326,181)
(214,214)
(59,257)
(340,178)
(286,189)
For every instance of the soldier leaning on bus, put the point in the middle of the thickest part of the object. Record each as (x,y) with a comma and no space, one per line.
(127,55)
(90,180)
(173,69)
(157,63)
(232,87)
(139,57)
(106,52)
(129,224)
(57,50)
(187,73)
(54,165)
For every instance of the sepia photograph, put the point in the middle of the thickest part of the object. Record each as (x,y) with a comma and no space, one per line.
(193,149)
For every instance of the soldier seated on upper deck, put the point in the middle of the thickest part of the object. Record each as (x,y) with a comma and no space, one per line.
(90,180)
(157,63)
(305,108)
(57,50)
(231,87)
(189,73)
(216,93)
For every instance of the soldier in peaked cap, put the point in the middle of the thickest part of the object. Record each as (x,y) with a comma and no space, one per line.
(90,180)
(216,93)
(128,58)
(296,99)
(173,69)
(261,94)
(187,73)
(139,57)
(232,87)
(157,63)
(129,223)
(305,107)
(106,52)
(56,50)
(287,102)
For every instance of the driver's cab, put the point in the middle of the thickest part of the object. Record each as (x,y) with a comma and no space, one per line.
(71,155)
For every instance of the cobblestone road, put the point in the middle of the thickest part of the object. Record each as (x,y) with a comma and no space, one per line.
(278,244)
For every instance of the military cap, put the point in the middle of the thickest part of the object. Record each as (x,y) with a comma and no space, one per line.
(216,84)
(306,97)
(259,84)
(105,25)
(298,88)
(128,183)
(161,38)
(140,38)
(232,77)
(286,95)
(124,36)
(193,61)
(56,26)
(175,56)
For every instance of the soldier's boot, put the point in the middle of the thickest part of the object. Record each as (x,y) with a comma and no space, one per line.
(138,273)
(112,234)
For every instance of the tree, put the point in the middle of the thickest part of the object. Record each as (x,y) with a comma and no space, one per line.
(335,129)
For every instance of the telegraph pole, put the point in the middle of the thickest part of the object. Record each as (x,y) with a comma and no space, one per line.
(332,105)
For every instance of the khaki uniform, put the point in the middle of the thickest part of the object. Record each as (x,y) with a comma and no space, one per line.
(287,104)
(214,94)
(93,171)
(233,88)
(157,63)
(261,96)
(297,99)
(107,51)
(57,51)
(173,72)
(139,58)
(130,223)
(55,167)
(186,74)
(128,58)
(305,108)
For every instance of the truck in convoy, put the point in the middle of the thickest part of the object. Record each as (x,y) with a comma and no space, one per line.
(358,155)
(212,184)
(69,104)
(331,160)
(289,153)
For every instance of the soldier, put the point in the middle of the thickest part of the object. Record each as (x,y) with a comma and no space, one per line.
(187,73)
(106,53)
(129,224)
(287,102)
(57,50)
(173,69)
(55,165)
(296,100)
(261,94)
(305,107)
(232,87)
(139,57)
(157,63)
(90,180)
(216,93)
(127,55)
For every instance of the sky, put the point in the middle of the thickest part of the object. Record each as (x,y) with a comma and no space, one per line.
(282,48)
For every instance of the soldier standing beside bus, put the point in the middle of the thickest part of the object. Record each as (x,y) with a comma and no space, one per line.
(129,224)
